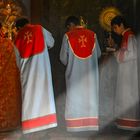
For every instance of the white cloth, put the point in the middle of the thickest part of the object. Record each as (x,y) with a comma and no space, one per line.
(127,105)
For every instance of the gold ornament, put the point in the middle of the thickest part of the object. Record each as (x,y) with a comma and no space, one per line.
(9,11)
(83,22)
(106,16)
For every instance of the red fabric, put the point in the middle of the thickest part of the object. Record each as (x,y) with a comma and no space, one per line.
(128,123)
(126,35)
(30,41)
(83,122)
(81,42)
(38,122)
(124,44)
(10,87)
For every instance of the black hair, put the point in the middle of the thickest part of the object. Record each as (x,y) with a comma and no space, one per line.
(72,19)
(118,20)
(21,22)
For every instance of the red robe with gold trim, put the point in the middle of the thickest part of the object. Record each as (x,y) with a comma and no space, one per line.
(10,88)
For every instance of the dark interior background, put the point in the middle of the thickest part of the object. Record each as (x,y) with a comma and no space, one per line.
(51,14)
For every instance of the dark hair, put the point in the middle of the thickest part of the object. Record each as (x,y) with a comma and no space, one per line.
(72,19)
(21,22)
(118,20)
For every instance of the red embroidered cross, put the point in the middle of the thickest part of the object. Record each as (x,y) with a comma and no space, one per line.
(28,36)
(82,40)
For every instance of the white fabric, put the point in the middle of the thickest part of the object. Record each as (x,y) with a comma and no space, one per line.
(127,96)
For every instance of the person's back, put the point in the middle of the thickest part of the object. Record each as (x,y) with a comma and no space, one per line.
(32,43)
(82,42)
(80,54)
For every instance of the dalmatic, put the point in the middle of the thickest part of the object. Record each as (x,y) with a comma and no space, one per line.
(38,107)
(80,52)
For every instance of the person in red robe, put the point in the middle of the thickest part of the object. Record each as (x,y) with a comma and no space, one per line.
(10,89)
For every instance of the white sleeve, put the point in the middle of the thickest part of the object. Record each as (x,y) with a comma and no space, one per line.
(97,47)
(48,38)
(17,56)
(64,51)
(131,52)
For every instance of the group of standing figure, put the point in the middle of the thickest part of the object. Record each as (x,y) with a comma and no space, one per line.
(79,52)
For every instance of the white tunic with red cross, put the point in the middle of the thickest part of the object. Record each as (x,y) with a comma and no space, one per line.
(38,107)
(80,52)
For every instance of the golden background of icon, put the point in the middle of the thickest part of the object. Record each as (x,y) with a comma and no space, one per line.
(107,14)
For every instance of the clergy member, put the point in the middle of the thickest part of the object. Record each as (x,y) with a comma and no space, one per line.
(79,53)
(127,107)
(38,107)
